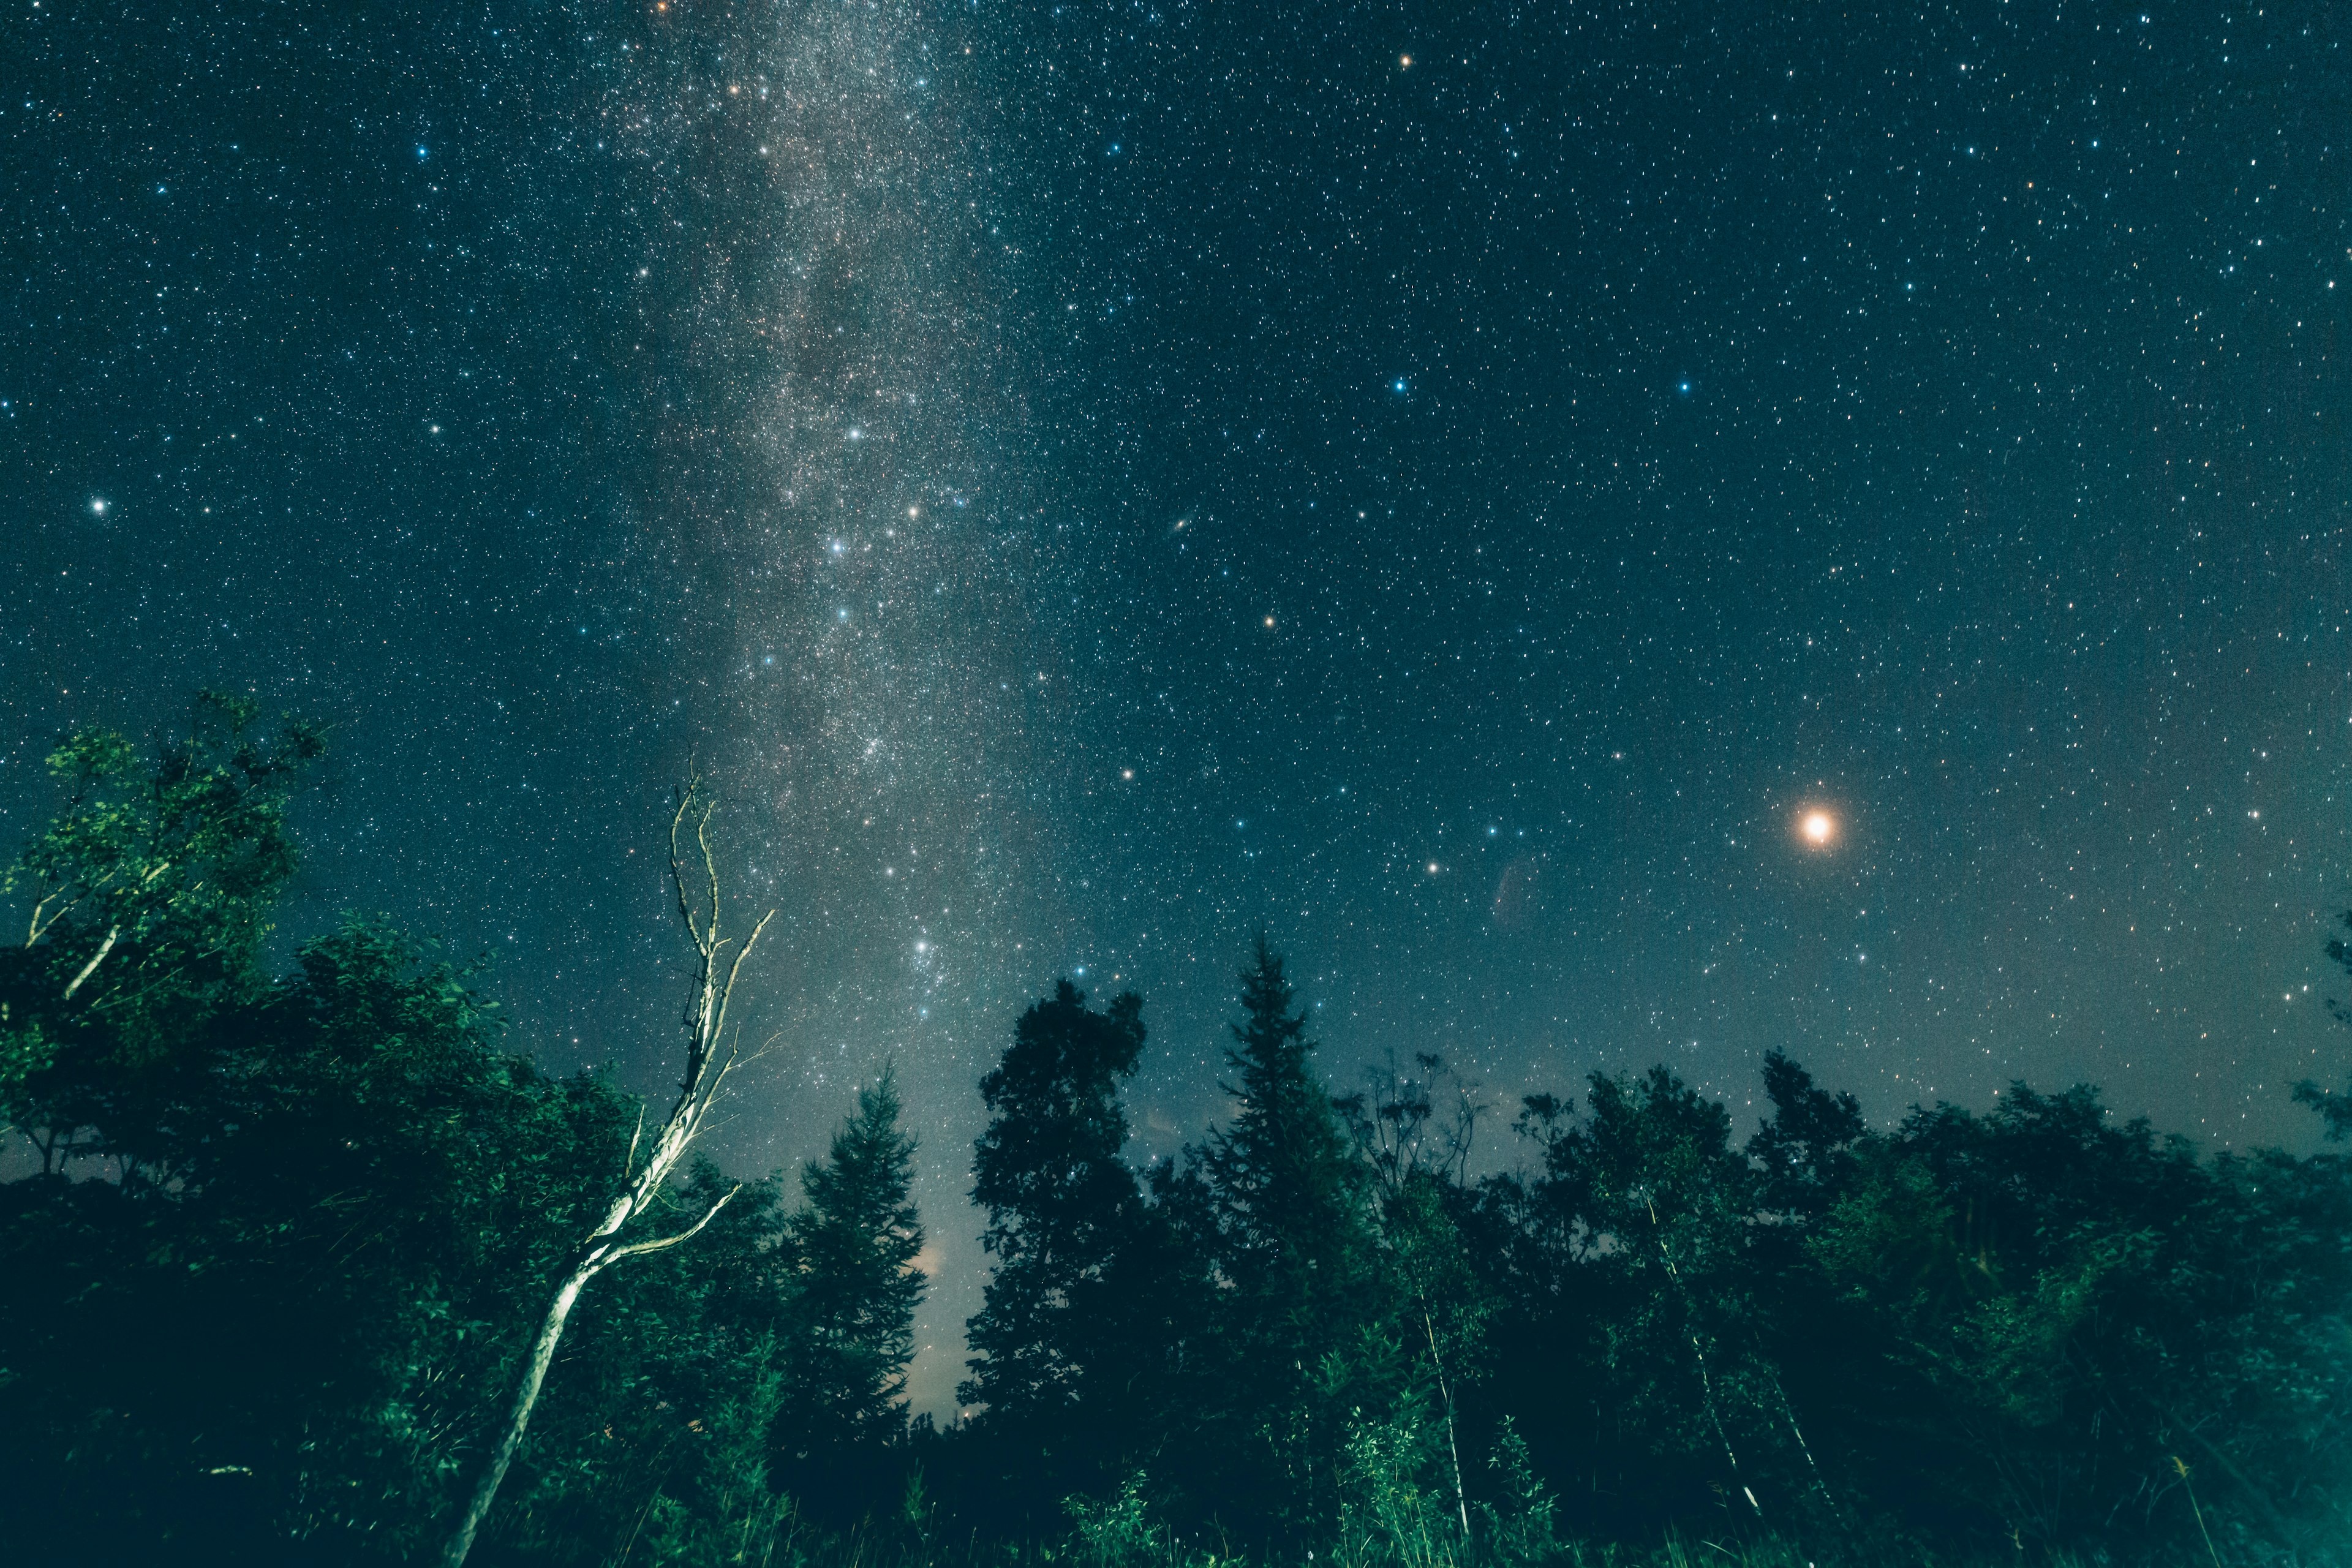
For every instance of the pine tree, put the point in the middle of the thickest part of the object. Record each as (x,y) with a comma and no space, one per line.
(1299,1341)
(1291,1197)
(857,1239)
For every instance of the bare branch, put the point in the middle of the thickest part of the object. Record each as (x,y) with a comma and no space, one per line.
(727,993)
(662,1244)
(710,866)
(677,870)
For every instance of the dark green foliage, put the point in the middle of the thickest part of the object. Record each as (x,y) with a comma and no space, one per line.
(1644,1228)
(2336,1110)
(1302,1337)
(1065,1227)
(268,1284)
(275,1245)
(284,1306)
(1291,1198)
(1805,1152)
(145,902)
(655,1433)
(2071,1306)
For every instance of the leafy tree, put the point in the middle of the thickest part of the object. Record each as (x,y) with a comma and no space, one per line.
(2058,1314)
(145,900)
(271,1327)
(1063,1208)
(1415,1160)
(1652,1210)
(1805,1151)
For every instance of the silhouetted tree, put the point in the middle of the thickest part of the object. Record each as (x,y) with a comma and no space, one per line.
(1291,1211)
(853,1315)
(1063,1207)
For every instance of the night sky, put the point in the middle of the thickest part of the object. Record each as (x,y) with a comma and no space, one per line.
(1455,486)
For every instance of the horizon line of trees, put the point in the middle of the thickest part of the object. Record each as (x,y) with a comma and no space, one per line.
(288,1244)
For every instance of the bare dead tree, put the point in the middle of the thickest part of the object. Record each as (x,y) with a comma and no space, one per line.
(706,1067)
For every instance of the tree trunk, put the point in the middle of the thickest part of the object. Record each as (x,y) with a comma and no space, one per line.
(542,1352)
(706,1070)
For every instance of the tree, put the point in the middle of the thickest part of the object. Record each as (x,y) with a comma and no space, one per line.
(1292,1199)
(1063,1209)
(2048,1314)
(1647,1215)
(148,893)
(1308,1332)
(1807,1147)
(855,1241)
(654,1441)
(264,1327)
(642,1185)
(1417,1162)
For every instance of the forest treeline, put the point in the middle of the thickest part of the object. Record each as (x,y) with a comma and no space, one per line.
(274,1246)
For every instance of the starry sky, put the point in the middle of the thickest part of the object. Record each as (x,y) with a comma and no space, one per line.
(1455,486)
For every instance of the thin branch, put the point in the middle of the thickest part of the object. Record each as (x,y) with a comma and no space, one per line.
(709,863)
(726,994)
(677,869)
(33,930)
(663,1243)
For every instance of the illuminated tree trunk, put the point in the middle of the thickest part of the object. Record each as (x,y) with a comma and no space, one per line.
(706,1069)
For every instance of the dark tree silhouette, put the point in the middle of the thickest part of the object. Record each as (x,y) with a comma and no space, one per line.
(856,1242)
(1061,1206)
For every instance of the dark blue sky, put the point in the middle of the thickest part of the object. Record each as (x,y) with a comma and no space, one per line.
(1449,485)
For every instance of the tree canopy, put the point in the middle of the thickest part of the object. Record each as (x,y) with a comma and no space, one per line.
(275,1244)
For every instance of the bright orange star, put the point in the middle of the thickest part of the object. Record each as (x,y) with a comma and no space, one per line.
(1818,829)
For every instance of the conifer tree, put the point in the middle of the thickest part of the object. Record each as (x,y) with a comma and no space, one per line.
(1300,1343)
(858,1240)
(1291,1196)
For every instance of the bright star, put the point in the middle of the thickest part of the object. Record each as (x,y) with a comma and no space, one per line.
(1818,829)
